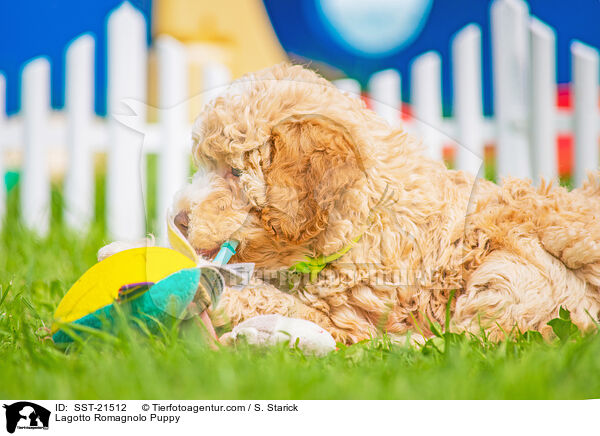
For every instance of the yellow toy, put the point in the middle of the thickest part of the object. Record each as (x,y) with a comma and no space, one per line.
(153,284)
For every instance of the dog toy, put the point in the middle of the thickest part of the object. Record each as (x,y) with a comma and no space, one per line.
(153,285)
(99,286)
(153,303)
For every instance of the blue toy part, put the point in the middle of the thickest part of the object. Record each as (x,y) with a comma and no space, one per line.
(226,252)
(162,302)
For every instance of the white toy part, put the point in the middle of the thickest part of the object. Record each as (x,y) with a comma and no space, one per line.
(235,275)
(266,330)
(118,246)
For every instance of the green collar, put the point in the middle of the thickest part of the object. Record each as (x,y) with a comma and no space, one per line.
(314,265)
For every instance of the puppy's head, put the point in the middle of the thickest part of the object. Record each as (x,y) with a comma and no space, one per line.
(283,164)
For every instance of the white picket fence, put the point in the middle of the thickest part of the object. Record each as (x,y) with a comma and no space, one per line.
(524,128)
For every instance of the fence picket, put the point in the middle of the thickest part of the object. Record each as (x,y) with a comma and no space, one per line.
(585,123)
(466,75)
(426,99)
(524,128)
(127,79)
(510,73)
(350,86)
(173,157)
(79,105)
(215,77)
(35,188)
(542,101)
(386,96)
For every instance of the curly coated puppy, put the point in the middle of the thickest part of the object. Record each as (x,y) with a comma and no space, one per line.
(294,168)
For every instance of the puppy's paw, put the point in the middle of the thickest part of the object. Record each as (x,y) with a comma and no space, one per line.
(265,330)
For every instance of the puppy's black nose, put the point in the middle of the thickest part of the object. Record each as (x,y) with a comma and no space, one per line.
(182,221)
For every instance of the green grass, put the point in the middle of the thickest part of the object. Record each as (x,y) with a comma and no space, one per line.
(35,273)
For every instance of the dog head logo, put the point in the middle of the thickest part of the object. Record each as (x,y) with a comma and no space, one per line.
(26,415)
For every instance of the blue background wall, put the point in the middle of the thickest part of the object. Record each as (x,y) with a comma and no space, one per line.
(30,28)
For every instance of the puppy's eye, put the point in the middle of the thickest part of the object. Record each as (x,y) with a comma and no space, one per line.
(236,172)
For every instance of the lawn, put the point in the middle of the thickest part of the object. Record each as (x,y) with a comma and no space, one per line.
(35,273)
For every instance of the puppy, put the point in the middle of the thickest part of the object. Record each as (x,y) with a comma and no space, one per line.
(294,169)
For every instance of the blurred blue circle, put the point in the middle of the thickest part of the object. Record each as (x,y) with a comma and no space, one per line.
(376,27)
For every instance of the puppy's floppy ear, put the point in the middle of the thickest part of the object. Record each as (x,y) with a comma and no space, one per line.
(313,160)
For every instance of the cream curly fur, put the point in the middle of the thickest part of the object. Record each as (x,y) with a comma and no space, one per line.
(319,169)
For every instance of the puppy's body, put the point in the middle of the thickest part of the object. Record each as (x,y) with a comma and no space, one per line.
(314,171)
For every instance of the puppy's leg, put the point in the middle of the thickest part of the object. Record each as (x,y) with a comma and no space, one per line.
(263,299)
(571,232)
(264,315)
(568,224)
(576,243)
(507,291)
